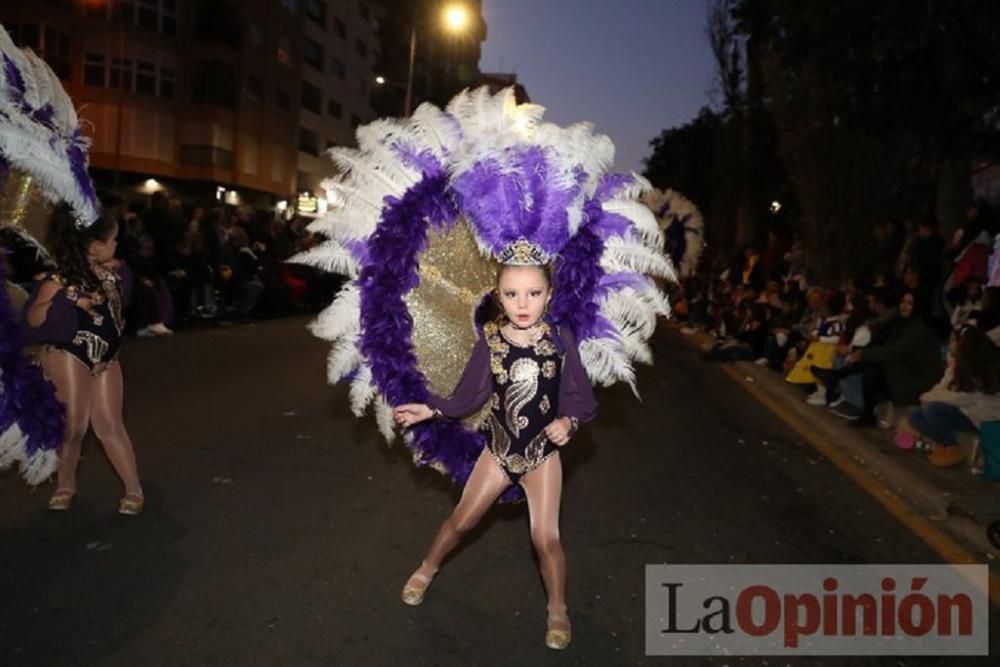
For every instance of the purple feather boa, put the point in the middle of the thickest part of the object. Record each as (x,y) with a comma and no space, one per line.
(26,396)
(386,326)
(578,278)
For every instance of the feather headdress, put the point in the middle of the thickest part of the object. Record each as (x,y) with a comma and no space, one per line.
(43,151)
(427,207)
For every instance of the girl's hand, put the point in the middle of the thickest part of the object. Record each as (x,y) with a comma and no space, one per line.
(559,431)
(86,301)
(411,413)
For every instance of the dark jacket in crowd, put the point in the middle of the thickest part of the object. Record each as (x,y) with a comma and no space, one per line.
(911,359)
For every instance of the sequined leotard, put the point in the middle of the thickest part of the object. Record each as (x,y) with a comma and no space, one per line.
(525,400)
(98,331)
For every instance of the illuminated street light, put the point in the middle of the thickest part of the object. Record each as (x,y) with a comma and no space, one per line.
(380,80)
(456,17)
(775,206)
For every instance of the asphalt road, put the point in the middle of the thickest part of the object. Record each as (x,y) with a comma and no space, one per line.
(279,529)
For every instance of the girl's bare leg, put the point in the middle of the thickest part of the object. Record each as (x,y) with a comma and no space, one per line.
(486,482)
(109,426)
(543,487)
(73,386)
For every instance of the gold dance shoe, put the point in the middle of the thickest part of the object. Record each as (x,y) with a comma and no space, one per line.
(414,595)
(558,633)
(61,500)
(131,505)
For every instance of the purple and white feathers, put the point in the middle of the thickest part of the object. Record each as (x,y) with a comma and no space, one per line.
(494,165)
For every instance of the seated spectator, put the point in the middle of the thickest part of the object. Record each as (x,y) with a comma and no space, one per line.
(967,395)
(822,347)
(967,302)
(866,325)
(987,319)
(782,345)
(903,367)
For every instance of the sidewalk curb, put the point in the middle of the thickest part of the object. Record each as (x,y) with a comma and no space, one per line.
(922,506)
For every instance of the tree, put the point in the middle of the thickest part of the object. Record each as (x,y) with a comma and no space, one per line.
(870,102)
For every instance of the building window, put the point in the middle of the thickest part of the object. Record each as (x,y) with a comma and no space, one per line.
(121,73)
(312,53)
(334,109)
(308,141)
(217,22)
(360,85)
(206,156)
(124,11)
(312,98)
(94,70)
(255,88)
(214,83)
(167,83)
(284,53)
(339,29)
(168,19)
(339,70)
(365,13)
(355,120)
(145,78)
(361,48)
(316,10)
(147,15)
(284,101)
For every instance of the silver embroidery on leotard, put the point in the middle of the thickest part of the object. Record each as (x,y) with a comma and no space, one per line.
(523,387)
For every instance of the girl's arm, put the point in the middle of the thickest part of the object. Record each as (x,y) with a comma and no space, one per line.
(576,396)
(50,316)
(473,388)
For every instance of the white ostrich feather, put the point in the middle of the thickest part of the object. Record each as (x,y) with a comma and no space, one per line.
(344,357)
(624,255)
(340,318)
(436,129)
(654,299)
(626,307)
(36,147)
(678,209)
(640,216)
(34,469)
(329,256)
(383,417)
(362,390)
(606,362)
(368,174)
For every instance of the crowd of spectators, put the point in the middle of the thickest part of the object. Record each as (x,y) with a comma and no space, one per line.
(919,329)
(201,264)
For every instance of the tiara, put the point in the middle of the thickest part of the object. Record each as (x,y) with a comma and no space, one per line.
(523,252)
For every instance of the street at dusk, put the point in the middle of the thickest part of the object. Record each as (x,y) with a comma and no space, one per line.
(499,332)
(279,528)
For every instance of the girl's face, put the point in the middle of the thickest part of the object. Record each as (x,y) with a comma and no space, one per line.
(103,251)
(524,293)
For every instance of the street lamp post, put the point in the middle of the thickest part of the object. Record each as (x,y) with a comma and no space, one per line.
(408,103)
(455,18)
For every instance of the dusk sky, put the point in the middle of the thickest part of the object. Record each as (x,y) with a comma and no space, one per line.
(632,67)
